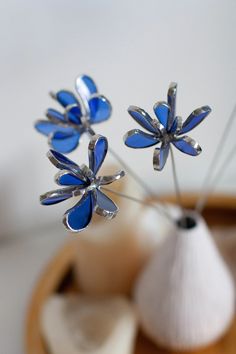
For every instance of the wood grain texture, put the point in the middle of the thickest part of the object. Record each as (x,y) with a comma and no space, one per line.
(58,277)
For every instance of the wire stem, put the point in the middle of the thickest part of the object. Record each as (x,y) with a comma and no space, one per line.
(204,191)
(158,208)
(177,187)
(218,176)
(139,181)
(131,172)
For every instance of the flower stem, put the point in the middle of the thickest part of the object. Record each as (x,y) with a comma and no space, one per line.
(215,180)
(139,181)
(177,188)
(158,208)
(204,192)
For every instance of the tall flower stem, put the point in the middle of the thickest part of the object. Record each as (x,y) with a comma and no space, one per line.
(216,179)
(204,192)
(177,187)
(138,180)
(129,170)
(158,208)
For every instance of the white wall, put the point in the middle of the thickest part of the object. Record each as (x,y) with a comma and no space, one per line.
(133,49)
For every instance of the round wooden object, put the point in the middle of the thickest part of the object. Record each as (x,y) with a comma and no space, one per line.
(58,278)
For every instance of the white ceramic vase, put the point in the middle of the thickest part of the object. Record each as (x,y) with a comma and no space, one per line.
(185,294)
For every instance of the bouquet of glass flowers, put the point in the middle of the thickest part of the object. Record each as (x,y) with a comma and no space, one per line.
(167,288)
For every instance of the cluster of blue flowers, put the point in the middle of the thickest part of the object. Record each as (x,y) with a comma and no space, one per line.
(80,111)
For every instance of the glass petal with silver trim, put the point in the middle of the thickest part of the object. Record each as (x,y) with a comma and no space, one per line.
(81,110)
(83,181)
(64,142)
(166,128)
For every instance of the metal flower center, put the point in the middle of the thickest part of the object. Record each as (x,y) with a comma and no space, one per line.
(166,137)
(93,185)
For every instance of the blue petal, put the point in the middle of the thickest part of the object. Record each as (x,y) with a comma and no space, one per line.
(137,139)
(97,152)
(66,178)
(85,86)
(176,126)
(46,127)
(172,91)
(195,118)
(65,98)
(64,142)
(62,162)
(160,156)
(100,109)
(77,218)
(54,115)
(142,118)
(105,206)
(162,111)
(74,114)
(56,196)
(54,200)
(187,145)
(104,180)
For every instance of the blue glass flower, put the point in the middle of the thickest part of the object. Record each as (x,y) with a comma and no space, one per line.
(82,181)
(166,128)
(88,107)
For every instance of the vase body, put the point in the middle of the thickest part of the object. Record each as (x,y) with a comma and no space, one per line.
(185,294)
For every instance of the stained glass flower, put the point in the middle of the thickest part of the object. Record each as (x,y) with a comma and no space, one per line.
(82,181)
(165,129)
(88,107)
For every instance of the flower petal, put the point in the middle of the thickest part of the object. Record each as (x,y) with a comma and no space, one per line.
(85,86)
(104,180)
(55,116)
(65,98)
(160,157)
(177,125)
(68,178)
(97,152)
(187,145)
(73,114)
(77,218)
(105,206)
(142,118)
(56,196)
(162,111)
(195,118)
(46,127)
(100,109)
(63,163)
(138,139)
(171,96)
(64,142)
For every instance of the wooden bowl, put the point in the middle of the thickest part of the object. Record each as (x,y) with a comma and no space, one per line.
(57,277)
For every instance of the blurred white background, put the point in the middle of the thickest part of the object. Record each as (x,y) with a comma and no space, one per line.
(132,49)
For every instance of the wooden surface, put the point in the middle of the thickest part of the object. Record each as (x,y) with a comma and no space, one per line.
(57,277)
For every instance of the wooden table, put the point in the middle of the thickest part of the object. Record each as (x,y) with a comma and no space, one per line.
(57,277)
